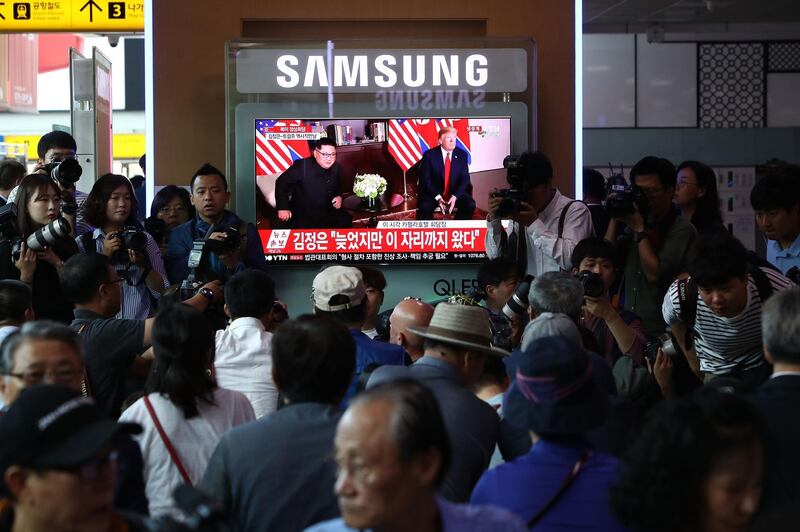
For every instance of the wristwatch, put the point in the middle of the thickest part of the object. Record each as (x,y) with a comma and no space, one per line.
(207,293)
(638,236)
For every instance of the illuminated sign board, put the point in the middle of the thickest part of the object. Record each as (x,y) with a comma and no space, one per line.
(72,15)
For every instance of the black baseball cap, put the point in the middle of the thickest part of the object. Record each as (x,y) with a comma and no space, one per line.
(55,427)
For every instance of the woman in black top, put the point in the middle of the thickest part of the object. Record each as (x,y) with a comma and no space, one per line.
(38,204)
(697,198)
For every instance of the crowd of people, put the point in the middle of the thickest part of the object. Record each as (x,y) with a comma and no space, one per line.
(632,367)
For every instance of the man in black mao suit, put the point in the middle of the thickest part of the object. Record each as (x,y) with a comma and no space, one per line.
(307,193)
(453,192)
(777,400)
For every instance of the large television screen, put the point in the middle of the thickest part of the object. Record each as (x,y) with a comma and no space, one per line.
(389,194)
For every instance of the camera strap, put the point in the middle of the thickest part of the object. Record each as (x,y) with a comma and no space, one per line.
(173,454)
(563,217)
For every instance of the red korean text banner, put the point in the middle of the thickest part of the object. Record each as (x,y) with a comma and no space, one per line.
(424,242)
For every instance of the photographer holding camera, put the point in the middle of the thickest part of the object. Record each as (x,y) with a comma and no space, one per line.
(111,207)
(55,148)
(618,332)
(38,209)
(238,245)
(552,224)
(657,242)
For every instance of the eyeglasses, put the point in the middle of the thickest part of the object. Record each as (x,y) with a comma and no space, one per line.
(326,155)
(114,281)
(681,183)
(177,209)
(37,376)
(651,192)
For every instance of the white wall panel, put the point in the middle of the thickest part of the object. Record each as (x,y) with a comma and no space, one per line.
(666,78)
(609,96)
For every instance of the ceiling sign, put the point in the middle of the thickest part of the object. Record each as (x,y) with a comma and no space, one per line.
(72,15)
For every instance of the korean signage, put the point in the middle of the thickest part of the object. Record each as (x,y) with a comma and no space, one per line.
(401,241)
(72,15)
(369,70)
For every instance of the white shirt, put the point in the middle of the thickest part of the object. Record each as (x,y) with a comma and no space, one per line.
(193,439)
(244,363)
(547,252)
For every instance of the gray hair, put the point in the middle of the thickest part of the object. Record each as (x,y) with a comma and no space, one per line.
(36,330)
(557,292)
(780,326)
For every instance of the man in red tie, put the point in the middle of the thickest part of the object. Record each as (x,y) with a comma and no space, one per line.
(444,180)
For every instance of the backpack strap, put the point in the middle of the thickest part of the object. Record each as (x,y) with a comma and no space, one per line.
(563,217)
(173,454)
(687,302)
(761,281)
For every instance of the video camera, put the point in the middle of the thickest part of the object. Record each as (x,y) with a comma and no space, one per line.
(517,193)
(621,197)
(64,173)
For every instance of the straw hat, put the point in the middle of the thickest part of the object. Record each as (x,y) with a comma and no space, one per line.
(462,326)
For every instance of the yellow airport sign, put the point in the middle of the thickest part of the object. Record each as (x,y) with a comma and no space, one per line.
(125,145)
(72,15)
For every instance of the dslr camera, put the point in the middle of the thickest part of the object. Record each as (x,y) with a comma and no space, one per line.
(667,343)
(39,240)
(592,283)
(621,198)
(518,191)
(132,238)
(231,242)
(64,173)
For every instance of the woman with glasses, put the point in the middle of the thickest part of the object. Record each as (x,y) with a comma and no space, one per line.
(171,207)
(38,204)
(111,208)
(184,413)
(697,198)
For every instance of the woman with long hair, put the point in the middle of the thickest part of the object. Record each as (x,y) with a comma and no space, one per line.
(696,467)
(183,410)
(697,198)
(111,209)
(38,203)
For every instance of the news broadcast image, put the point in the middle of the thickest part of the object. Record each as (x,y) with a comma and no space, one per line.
(379,165)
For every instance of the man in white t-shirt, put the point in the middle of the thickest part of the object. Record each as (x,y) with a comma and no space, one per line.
(244,352)
(726,329)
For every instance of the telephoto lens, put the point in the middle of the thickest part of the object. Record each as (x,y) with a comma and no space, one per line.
(66,172)
(517,304)
(49,234)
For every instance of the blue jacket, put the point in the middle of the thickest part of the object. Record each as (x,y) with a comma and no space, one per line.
(525,485)
(182,238)
(369,351)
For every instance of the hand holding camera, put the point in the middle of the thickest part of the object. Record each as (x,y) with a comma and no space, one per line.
(26,263)
(112,244)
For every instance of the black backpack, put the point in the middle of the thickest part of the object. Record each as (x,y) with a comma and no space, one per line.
(687,293)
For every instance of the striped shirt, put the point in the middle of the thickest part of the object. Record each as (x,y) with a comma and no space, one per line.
(724,345)
(136,302)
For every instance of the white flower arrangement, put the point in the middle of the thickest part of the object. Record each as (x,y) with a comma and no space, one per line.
(369,186)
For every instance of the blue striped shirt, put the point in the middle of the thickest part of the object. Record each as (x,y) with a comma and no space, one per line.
(137,302)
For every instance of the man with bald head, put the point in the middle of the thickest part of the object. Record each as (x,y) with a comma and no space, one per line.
(409,313)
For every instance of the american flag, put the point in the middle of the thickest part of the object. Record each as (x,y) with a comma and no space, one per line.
(404,143)
(275,156)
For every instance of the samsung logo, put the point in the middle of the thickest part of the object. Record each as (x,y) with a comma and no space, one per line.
(385,71)
(360,70)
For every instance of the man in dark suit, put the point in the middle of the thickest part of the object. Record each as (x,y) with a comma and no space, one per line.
(444,180)
(452,362)
(307,193)
(777,401)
